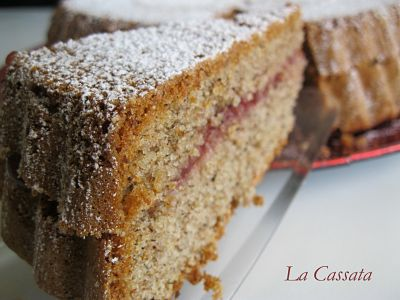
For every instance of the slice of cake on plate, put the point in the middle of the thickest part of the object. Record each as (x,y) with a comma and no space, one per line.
(138,145)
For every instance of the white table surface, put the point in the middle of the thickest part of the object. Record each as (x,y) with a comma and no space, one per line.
(347,218)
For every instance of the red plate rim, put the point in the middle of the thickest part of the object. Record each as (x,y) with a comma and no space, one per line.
(344,160)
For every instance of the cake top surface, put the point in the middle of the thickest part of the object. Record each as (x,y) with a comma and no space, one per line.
(114,68)
(317,10)
(151,11)
(159,11)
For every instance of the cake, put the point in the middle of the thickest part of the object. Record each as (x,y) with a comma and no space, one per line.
(76,18)
(136,146)
(359,68)
(353,51)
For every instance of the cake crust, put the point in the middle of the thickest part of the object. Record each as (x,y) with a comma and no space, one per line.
(357,60)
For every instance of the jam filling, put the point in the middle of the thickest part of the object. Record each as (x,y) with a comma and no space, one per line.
(233,114)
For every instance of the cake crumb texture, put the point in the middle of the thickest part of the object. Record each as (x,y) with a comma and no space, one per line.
(258,200)
(212,283)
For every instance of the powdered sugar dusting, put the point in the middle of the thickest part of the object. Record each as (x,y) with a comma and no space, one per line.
(115,67)
(151,12)
(316,10)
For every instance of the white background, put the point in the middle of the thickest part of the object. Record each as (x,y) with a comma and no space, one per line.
(347,218)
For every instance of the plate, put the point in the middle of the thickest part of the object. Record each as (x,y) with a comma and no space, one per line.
(341,149)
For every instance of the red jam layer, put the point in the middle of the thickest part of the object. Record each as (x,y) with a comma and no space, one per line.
(232,114)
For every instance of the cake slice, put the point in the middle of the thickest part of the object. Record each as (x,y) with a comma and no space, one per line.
(136,146)
(76,18)
(116,124)
(353,52)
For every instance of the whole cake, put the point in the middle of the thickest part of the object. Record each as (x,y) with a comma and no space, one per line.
(354,50)
(127,152)
(354,59)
